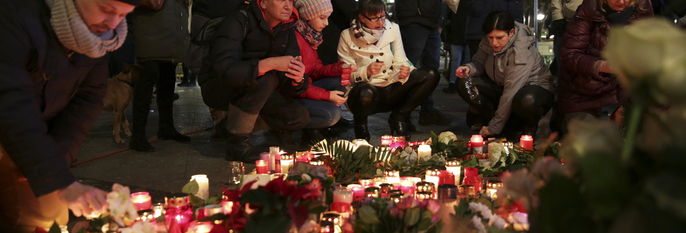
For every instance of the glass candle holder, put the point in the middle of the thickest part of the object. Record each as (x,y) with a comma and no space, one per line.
(424,152)
(446,177)
(261,167)
(317,163)
(471,177)
(477,142)
(203,186)
(526,142)
(447,191)
(386,140)
(141,200)
(425,187)
(366,182)
(178,208)
(286,163)
(236,171)
(158,210)
(454,167)
(199,227)
(331,218)
(385,187)
(343,194)
(372,191)
(424,195)
(358,191)
(396,197)
(469,190)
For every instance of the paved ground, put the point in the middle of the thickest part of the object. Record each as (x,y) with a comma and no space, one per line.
(102,162)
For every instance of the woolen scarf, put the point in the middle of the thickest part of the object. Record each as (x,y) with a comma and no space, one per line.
(312,36)
(370,36)
(74,34)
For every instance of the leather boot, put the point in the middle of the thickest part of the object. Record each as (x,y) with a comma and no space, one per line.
(168,132)
(285,139)
(240,149)
(361,131)
(140,144)
(311,137)
(397,123)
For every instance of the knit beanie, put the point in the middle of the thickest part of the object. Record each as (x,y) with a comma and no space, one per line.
(131,2)
(308,9)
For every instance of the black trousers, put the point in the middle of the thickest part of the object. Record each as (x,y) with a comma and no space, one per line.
(164,74)
(278,111)
(365,99)
(528,106)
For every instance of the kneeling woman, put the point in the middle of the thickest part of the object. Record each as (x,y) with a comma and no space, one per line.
(511,86)
(385,80)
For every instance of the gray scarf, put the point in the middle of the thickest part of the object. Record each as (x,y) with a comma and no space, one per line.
(74,34)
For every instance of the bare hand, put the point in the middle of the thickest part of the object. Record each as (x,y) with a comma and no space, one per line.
(353,68)
(281,63)
(296,69)
(83,199)
(404,72)
(462,71)
(485,132)
(374,68)
(604,68)
(336,97)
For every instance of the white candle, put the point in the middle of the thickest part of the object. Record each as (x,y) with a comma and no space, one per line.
(424,151)
(454,167)
(203,186)
(286,163)
(273,152)
(343,195)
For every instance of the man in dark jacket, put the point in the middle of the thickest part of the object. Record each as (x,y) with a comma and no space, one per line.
(253,54)
(459,50)
(53,80)
(161,42)
(418,20)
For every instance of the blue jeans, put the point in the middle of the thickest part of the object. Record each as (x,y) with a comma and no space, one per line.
(323,113)
(459,54)
(423,43)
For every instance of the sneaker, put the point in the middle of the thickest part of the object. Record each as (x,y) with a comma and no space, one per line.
(434,117)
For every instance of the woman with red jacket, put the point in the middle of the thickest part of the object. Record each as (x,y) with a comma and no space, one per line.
(324,96)
(587,86)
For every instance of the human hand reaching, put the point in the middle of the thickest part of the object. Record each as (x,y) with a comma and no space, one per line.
(336,97)
(462,71)
(374,68)
(83,200)
(296,69)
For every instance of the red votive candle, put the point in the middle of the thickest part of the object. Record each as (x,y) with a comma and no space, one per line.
(141,200)
(261,167)
(527,142)
(477,144)
(358,191)
(446,177)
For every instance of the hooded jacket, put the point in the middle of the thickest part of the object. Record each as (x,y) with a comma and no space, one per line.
(242,40)
(388,49)
(581,85)
(162,35)
(49,96)
(516,65)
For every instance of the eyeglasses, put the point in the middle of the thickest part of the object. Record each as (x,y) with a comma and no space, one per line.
(374,20)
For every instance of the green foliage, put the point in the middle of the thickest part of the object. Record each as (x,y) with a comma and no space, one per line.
(380,215)
(455,149)
(348,166)
(190,187)
(55,228)
(272,222)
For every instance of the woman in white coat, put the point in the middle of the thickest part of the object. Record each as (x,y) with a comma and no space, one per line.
(385,80)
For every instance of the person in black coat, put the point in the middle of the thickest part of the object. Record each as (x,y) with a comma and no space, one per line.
(254,53)
(52,83)
(459,49)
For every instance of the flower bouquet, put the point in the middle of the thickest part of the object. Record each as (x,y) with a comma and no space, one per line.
(384,215)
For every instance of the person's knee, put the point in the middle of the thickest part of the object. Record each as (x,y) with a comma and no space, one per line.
(268,81)
(362,94)
(300,119)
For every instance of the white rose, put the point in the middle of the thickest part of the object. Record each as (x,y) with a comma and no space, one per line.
(651,48)
(478,224)
(119,201)
(498,222)
(495,151)
(139,227)
(446,137)
(306,177)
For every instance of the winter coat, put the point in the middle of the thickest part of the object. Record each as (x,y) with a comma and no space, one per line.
(316,70)
(564,9)
(49,96)
(162,35)
(338,21)
(581,85)
(479,9)
(424,12)
(458,24)
(357,51)
(516,65)
(242,40)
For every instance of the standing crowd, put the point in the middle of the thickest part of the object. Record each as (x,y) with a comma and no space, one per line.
(291,64)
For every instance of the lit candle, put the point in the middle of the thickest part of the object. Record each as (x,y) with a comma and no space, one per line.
(386,140)
(446,177)
(358,191)
(199,227)
(203,186)
(393,177)
(343,194)
(398,141)
(141,200)
(477,144)
(407,186)
(491,192)
(342,208)
(261,166)
(286,163)
(526,142)
(432,177)
(424,151)
(273,152)
(454,167)
(265,156)
(227,207)
(372,191)
(317,163)
(365,182)
(424,195)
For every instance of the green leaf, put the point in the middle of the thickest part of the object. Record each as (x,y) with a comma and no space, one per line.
(55,228)
(368,215)
(190,187)
(462,208)
(269,223)
(258,197)
(196,201)
(412,216)
(605,184)
(213,200)
(563,208)
(424,224)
